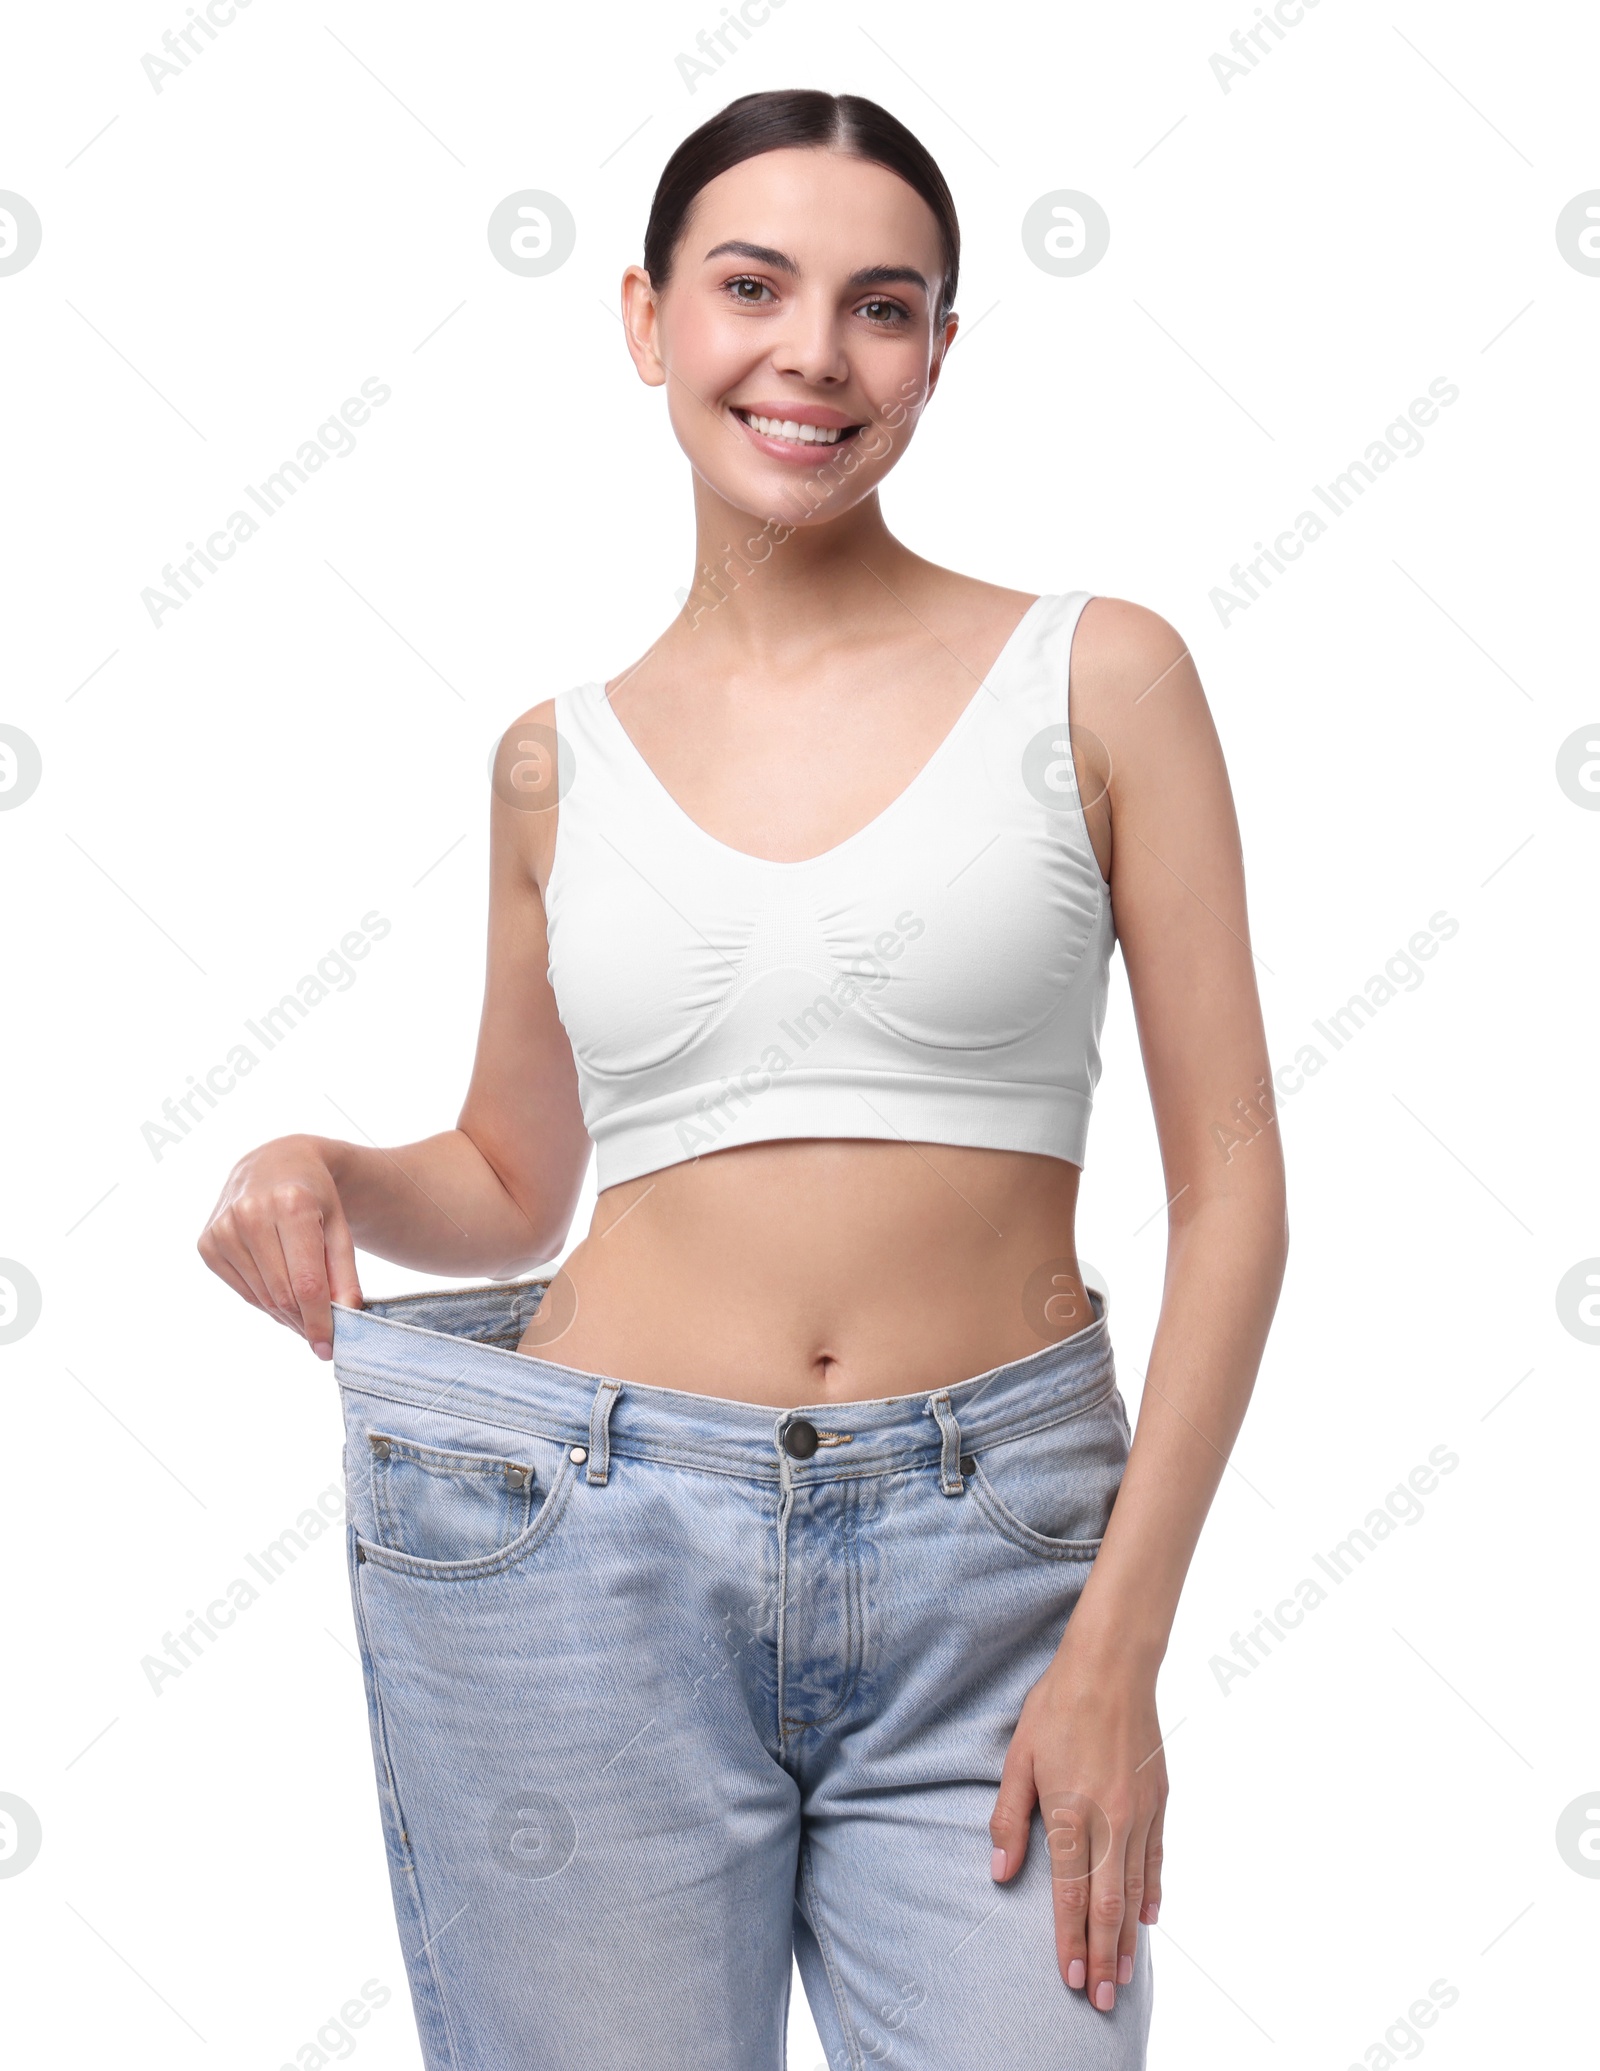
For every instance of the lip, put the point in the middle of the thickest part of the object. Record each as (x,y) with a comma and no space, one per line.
(787,450)
(800,413)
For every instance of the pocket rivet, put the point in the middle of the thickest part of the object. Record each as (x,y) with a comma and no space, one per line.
(968,1464)
(579,1452)
(380,1447)
(360,1553)
(517,1477)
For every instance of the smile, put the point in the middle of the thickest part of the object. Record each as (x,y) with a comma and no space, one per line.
(785,430)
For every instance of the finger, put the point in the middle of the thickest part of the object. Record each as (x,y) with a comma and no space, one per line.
(1013,1812)
(341,1251)
(1106,1907)
(1152,1868)
(304,1241)
(266,1257)
(235,1245)
(339,1263)
(1069,1831)
(1133,1877)
(235,1280)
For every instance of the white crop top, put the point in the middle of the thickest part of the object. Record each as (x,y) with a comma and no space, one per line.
(937,977)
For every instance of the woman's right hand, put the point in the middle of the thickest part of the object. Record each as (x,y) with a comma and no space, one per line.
(278,1236)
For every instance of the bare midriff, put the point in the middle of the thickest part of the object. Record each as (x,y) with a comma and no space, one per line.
(804,1272)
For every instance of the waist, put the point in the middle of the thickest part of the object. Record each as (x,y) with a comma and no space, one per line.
(821,1271)
(455,1348)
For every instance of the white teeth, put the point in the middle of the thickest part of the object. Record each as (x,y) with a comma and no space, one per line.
(786,428)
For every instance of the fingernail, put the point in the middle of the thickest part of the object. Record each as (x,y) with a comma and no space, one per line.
(1152,1913)
(997,1863)
(1124,1970)
(322,1348)
(1105,1995)
(1076,1973)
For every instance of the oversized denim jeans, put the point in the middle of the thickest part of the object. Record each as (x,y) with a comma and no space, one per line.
(666,1689)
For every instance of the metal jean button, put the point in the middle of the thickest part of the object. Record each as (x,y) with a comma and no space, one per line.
(800,1439)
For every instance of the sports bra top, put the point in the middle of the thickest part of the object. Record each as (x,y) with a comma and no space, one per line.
(939,976)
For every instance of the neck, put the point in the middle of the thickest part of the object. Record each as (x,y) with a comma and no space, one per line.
(758,580)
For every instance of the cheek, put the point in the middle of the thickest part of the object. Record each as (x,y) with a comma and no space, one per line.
(899,389)
(707,359)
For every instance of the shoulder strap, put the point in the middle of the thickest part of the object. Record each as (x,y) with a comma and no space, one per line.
(1037,670)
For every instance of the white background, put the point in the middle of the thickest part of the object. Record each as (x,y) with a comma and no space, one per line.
(1292,261)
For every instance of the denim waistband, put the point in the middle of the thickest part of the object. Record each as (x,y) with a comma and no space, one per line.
(454,1350)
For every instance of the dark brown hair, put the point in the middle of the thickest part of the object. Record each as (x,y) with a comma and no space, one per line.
(797,117)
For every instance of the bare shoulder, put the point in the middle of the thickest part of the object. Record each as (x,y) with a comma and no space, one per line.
(536,717)
(524,783)
(1120,649)
(1136,693)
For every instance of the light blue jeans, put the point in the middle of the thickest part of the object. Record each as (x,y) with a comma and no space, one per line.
(666,1689)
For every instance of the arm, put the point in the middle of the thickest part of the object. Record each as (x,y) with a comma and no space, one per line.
(1179,896)
(1177,882)
(494,1195)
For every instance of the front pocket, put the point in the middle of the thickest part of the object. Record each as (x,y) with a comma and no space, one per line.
(449,1506)
(1052,1489)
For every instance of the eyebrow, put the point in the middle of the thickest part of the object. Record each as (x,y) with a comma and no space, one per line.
(780,262)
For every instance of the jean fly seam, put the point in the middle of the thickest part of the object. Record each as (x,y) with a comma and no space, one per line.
(785,1509)
(853,1619)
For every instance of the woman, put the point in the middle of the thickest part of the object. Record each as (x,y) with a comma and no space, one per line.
(748,1589)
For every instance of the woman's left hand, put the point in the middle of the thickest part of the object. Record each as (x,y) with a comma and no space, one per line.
(1088,1748)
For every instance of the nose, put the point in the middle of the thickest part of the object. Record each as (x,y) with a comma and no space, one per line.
(812,345)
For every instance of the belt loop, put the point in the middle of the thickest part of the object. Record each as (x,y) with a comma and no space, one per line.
(950,1478)
(605,1401)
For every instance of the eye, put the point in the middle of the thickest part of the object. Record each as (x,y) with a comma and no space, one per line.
(890,313)
(741,281)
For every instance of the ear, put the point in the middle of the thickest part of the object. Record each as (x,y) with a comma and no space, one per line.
(640,324)
(952,324)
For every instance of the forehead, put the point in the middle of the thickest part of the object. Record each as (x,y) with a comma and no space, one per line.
(822,207)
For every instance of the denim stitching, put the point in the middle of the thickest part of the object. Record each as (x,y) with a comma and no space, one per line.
(853,1621)
(481,1568)
(464,1407)
(818,1926)
(466,1404)
(1025,1536)
(780,1680)
(425,1952)
(485,1466)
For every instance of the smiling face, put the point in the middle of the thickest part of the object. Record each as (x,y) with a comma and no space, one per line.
(798,334)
